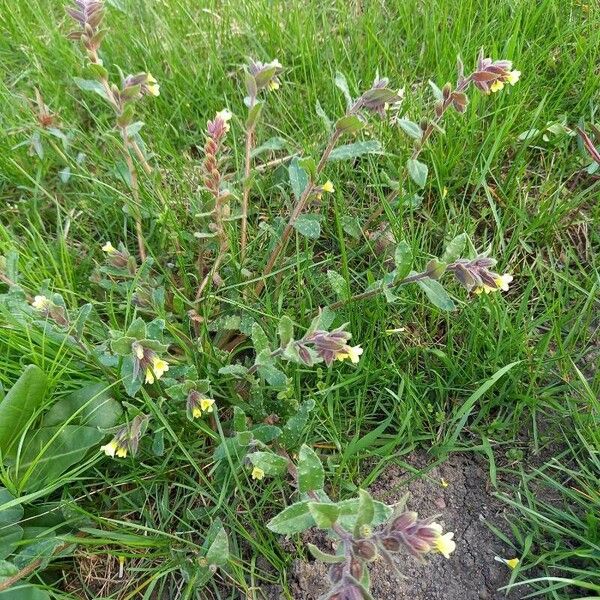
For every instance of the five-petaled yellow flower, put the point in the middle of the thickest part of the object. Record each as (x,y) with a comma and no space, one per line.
(328,187)
(273,85)
(113,449)
(152,85)
(351,352)
(206,404)
(196,412)
(257,473)
(109,248)
(512,563)
(502,282)
(443,543)
(157,370)
(41,303)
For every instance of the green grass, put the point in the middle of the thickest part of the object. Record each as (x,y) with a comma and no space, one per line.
(518,197)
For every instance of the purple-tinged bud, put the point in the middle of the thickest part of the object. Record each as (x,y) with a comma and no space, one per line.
(391,544)
(404,521)
(356,568)
(336,572)
(365,549)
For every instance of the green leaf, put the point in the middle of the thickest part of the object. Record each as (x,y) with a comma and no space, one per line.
(403,257)
(365,512)
(323,115)
(349,512)
(286,331)
(293,519)
(42,550)
(7,569)
(19,404)
(239,419)
(81,318)
(351,226)
(324,556)
(94,404)
(342,84)
(350,151)
(272,144)
(234,370)
(24,592)
(436,293)
(324,514)
(50,451)
(12,515)
(90,85)
(293,428)
(269,462)
(218,552)
(260,339)
(137,329)
(253,115)
(298,178)
(349,124)
(455,248)
(418,171)
(273,376)
(410,128)
(10,536)
(308,226)
(437,92)
(311,475)
(338,284)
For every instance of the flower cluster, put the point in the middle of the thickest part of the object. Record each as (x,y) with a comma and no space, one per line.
(331,346)
(477,277)
(379,98)
(491,75)
(147,363)
(199,404)
(417,536)
(88,14)
(262,76)
(51,310)
(127,438)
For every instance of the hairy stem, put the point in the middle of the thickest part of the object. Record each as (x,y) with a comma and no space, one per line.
(298,208)
(378,290)
(246,192)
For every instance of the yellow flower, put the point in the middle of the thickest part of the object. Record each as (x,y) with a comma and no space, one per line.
(121,452)
(41,303)
(513,77)
(110,448)
(352,352)
(273,85)
(328,187)
(503,281)
(511,563)
(159,366)
(444,192)
(196,413)
(152,85)
(257,473)
(206,404)
(149,376)
(109,248)
(484,289)
(443,543)
(444,483)
(497,85)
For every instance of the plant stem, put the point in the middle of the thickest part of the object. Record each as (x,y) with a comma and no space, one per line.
(378,290)
(298,208)
(418,149)
(246,192)
(136,194)
(94,59)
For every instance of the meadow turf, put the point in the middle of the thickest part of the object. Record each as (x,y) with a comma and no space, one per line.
(525,197)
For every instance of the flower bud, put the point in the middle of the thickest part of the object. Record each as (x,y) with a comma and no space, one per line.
(365,549)
(391,544)
(336,572)
(356,568)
